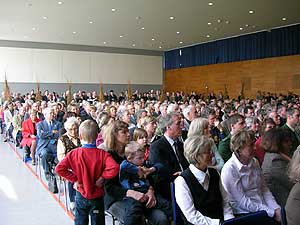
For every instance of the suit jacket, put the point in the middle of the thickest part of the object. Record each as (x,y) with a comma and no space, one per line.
(27,130)
(293,205)
(274,169)
(45,135)
(162,152)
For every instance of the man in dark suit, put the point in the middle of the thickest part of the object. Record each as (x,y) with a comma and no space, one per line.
(47,134)
(168,152)
(291,123)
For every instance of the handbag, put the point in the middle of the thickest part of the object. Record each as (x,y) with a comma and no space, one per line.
(52,184)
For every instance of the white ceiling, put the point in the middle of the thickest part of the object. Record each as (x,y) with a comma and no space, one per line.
(69,22)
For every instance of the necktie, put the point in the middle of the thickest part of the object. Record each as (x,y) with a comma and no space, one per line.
(206,182)
(178,155)
(50,125)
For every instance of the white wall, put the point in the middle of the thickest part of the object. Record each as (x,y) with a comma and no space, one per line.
(59,66)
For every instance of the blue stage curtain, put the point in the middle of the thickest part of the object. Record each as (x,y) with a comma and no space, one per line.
(277,42)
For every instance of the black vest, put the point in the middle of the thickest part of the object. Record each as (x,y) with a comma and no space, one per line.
(209,203)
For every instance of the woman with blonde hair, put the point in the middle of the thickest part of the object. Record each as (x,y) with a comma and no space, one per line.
(200,126)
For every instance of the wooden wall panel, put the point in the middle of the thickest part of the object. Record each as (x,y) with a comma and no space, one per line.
(277,75)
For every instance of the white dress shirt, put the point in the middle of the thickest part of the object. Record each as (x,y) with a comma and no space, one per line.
(246,188)
(185,200)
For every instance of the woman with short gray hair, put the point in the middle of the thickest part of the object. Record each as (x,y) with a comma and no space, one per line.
(198,189)
(293,201)
(200,126)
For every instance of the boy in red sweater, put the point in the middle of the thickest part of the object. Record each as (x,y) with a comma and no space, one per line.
(87,167)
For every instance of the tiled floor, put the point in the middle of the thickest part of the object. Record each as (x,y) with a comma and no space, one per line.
(24,197)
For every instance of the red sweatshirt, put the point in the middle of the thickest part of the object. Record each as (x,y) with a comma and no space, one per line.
(86,166)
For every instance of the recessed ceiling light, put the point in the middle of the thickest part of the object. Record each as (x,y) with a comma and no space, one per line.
(246,25)
(104,42)
(74,32)
(133,45)
(159,47)
(91,22)
(113,10)
(227,22)
(210,3)
(219,20)
(251,11)
(178,32)
(283,18)
(60,3)
(207,35)
(45,17)
(33,28)
(121,36)
(241,28)
(172,17)
(143,28)
(180,42)
(152,39)
(209,23)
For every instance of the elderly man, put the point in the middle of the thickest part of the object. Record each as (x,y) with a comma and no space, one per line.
(47,133)
(168,152)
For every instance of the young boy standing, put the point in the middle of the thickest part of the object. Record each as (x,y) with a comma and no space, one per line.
(87,167)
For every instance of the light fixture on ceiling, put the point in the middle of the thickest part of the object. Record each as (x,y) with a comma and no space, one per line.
(219,20)
(178,32)
(216,28)
(241,28)
(246,25)
(227,22)
(138,17)
(152,39)
(172,17)
(113,10)
(133,45)
(209,23)
(91,22)
(283,19)
(74,32)
(159,47)
(253,26)
(142,28)
(180,42)
(121,36)
(251,11)
(208,36)
(34,28)
(60,3)
(45,17)
(104,42)
(210,3)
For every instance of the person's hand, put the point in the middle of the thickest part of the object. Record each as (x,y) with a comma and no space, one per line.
(177,173)
(140,197)
(151,198)
(77,185)
(100,182)
(277,215)
(148,171)
(140,172)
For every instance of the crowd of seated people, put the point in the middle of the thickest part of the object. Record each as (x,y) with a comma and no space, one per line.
(233,154)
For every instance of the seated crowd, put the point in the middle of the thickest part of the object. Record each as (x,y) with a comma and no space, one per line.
(226,157)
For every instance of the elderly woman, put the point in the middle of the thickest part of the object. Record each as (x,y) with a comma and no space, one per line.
(198,189)
(65,144)
(243,181)
(277,144)
(199,127)
(29,133)
(116,137)
(293,202)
